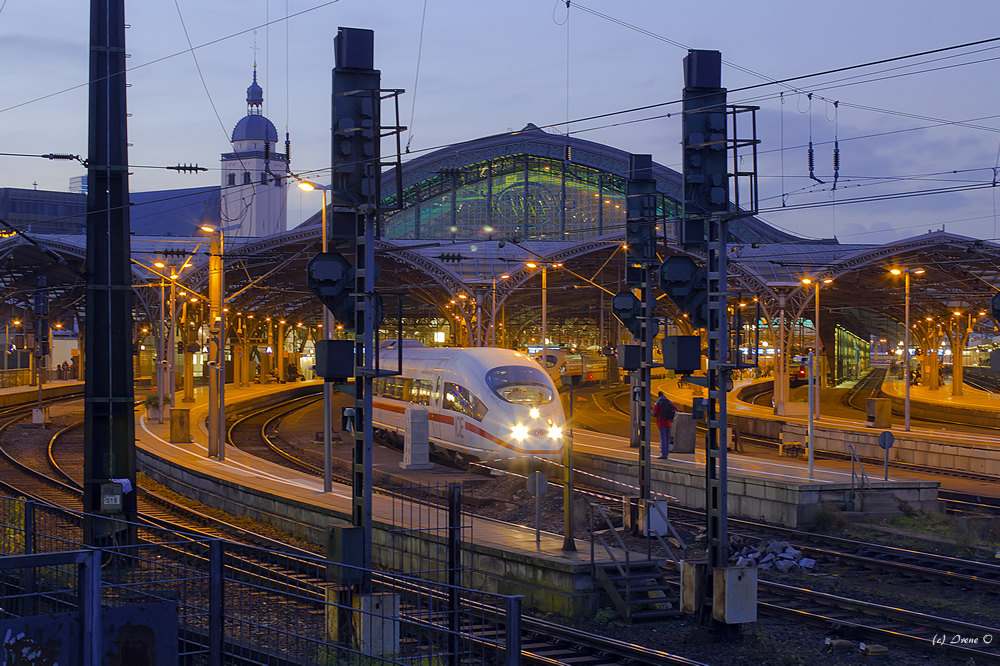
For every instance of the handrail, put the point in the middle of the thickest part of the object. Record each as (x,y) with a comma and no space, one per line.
(627,572)
(864,475)
(651,531)
(621,544)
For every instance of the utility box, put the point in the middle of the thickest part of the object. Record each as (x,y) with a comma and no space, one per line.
(734,595)
(879,411)
(416,439)
(335,359)
(40,416)
(345,546)
(692,584)
(377,622)
(640,514)
(682,353)
(180,425)
(629,357)
(683,433)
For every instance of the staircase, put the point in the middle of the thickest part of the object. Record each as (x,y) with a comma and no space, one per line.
(878,504)
(639,591)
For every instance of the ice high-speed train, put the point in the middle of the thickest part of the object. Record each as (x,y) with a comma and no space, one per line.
(483,403)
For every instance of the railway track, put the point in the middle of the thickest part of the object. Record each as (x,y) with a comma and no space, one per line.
(545,643)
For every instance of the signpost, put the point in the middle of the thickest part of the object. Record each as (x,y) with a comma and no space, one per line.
(537,485)
(885,440)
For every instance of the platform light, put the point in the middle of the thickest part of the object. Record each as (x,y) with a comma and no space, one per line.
(159,264)
(827,280)
(806,281)
(194,300)
(519,432)
(531,264)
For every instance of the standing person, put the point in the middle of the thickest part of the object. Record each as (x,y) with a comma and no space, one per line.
(664,410)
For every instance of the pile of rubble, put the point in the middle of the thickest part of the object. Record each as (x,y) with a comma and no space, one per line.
(768,555)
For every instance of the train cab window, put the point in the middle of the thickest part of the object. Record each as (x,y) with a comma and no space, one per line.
(520,384)
(462,400)
(550,361)
(420,392)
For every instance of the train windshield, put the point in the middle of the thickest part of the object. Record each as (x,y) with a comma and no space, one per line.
(520,384)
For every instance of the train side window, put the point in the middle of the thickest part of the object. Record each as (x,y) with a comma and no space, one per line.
(437,392)
(462,400)
(378,387)
(420,393)
(407,389)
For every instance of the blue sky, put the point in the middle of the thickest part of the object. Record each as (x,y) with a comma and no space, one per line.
(489,67)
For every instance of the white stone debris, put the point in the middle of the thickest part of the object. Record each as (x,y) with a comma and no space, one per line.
(768,555)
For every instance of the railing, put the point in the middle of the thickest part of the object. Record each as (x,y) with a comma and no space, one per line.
(625,573)
(854,477)
(234,601)
(650,532)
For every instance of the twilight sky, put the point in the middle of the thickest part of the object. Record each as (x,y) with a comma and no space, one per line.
(906,127)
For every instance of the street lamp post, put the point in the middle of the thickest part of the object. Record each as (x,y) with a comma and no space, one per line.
(308,186)
(216,345)
(906,344)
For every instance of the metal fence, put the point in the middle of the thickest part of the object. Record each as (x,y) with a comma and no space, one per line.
(222,602)
(427,532)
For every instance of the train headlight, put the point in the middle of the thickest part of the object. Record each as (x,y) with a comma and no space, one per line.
(534,413)
(555,432)
(519,432)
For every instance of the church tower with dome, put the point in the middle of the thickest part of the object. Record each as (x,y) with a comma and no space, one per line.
(255,175)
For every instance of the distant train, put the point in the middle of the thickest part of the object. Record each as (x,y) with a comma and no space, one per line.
(592,367)
(484,403)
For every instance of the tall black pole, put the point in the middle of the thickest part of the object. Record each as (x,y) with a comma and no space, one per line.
(109,417)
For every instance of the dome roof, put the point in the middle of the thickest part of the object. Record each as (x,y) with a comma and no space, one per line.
(255,94)
(255,128)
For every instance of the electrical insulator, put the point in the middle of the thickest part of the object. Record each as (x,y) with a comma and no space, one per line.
(288,149)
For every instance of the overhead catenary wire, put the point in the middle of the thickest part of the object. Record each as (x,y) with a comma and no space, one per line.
(416,78)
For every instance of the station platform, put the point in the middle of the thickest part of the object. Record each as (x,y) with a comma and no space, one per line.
(956,444)
(503,558)
(15,396)
(777,491)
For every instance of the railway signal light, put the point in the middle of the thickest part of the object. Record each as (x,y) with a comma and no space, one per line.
(627,307)
(331,277)
(355,118)
(640,200)
(686,285)
(704,125)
